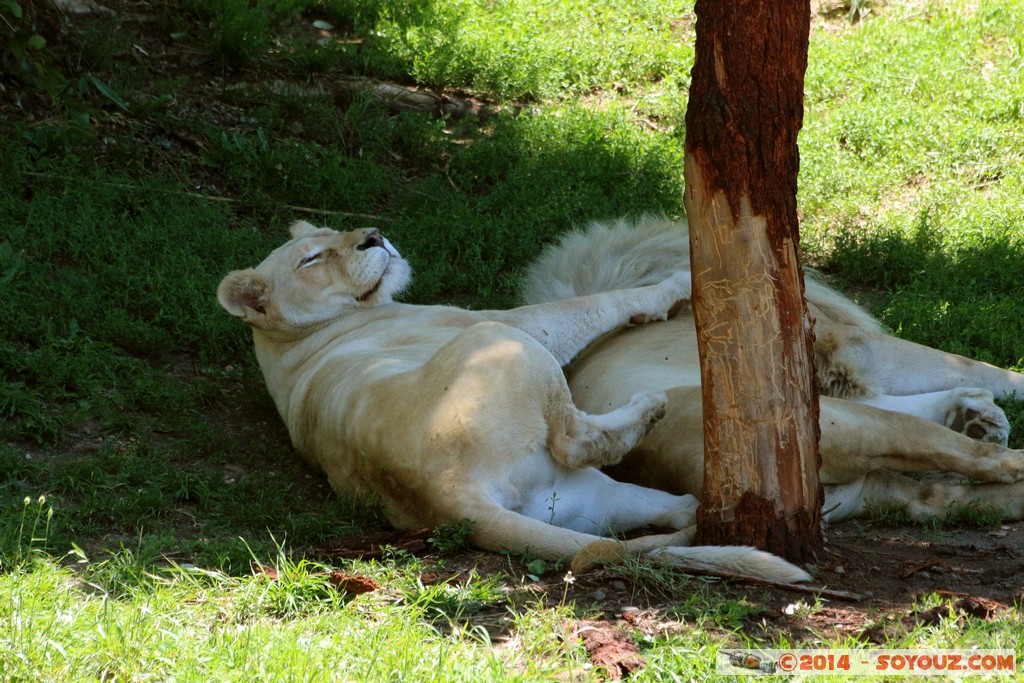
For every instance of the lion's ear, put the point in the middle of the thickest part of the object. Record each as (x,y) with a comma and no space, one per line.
(301,229)
(243,294)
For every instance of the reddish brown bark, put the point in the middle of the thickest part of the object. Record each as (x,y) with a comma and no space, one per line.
(754,334)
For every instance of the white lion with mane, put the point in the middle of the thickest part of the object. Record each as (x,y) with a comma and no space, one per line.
(888,406)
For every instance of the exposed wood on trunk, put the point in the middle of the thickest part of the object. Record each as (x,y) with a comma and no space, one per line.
(754,334)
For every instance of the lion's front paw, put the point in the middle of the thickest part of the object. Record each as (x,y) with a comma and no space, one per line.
(642,318)
(973,413)
(680,284)
(680,289)
(663,299)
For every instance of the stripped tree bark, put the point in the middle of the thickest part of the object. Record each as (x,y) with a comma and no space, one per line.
(754,335)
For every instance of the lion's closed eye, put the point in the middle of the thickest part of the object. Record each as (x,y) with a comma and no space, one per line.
(311,258)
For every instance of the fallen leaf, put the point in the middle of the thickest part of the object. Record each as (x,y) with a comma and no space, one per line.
(610,648)
(974,605)
(354,585)
(371,546)
(933,564)
(980,608)
(264,570)
(930,617)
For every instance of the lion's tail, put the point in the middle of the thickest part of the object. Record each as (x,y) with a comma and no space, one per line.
(499,529)
(673,550)
(731,559)
(617,254)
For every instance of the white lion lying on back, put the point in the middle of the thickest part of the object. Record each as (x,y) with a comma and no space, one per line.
(887,406)
(447,414)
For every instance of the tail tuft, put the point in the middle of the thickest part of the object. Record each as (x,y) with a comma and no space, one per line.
(732,559)
(662,550)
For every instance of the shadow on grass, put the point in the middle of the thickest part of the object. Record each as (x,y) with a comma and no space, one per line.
(132,402)
(963,298)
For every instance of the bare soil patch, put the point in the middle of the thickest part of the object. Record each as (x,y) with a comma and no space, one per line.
(889,569)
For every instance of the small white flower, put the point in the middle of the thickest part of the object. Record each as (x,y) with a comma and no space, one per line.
(792,608)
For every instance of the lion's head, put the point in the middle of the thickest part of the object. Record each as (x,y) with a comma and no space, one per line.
(315,277)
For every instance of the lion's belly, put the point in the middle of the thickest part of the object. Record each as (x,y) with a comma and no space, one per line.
(415,414)
(652,357)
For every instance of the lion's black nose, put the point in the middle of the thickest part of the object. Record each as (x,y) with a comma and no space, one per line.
(373,239)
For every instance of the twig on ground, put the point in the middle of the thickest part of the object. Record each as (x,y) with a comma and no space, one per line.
(216,198)
(793,587)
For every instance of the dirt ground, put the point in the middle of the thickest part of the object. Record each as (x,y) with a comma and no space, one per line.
(888,568)
(881,572)
(891,567)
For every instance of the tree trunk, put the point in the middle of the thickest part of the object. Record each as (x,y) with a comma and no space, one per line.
(755,337)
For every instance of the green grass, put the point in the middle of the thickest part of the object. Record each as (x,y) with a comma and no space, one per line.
(912,170)
(237,630)
(131,182)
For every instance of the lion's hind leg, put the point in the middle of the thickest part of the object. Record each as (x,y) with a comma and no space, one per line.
(588,440)
(922,501)
(589,501)
(857,439)
(590,504)
(500,529)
